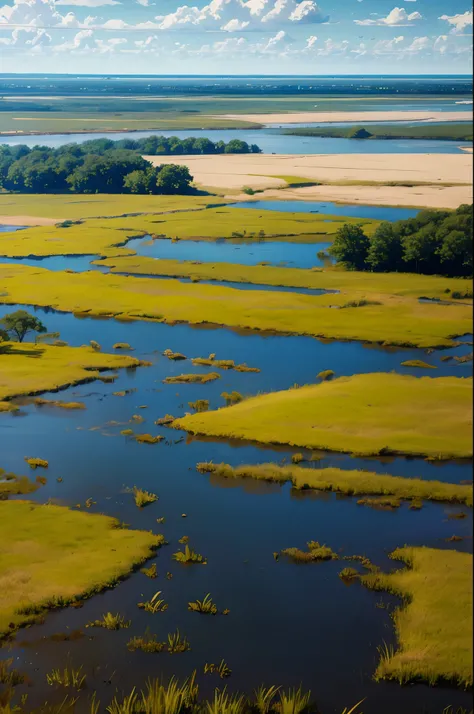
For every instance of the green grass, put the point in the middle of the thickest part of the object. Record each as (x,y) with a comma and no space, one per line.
(399,320)
(434,624)
(450,131)
(189,556)
(109,621)
(51,556)
(367,414)
(156,604)
(205,606)
(350,483)
(29,369)
(360,283)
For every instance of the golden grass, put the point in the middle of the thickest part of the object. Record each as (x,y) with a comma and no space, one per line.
(50,556)
(30,369)
(350,483)
(77,206)
(434,626)
(352,282)
(366,414)
(398,320)
(192,378)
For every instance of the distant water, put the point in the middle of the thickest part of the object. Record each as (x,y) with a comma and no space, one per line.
(381,213)
(270,140)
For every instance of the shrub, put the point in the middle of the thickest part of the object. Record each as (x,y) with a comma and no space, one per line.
(232,397)
(201,405)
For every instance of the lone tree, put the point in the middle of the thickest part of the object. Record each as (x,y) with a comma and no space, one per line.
(19,323)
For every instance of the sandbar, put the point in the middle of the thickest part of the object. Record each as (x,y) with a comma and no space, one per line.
(356,117)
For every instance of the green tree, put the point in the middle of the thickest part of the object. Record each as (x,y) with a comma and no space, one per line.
(420,250)
(19,323)
(455,252)
(351,246)
(173,178)
(385,252)
(136,182)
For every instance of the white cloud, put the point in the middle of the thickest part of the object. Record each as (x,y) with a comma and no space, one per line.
(235,15)
(311,41)
(397,16)
(383,47)
(88,3)
(459,22)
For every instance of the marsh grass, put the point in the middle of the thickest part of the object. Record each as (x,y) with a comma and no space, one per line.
(205,606)
(148,439)
(111,621)
(293,701)
(177,643)
(192,378)
(225,703)
(122,346)
(221,669)
(350,483)
(150,572)
(348,574)
(35,463)
(382,503)
(200,405)
(146,643)
(137,418)
(163,421)
(40,402)
(326,374)
(127,432)
(142,497)
(297,458)
(10,677)
(95,346)
(315,552)
(434,622)
(418,363)
(188,556)
(128,705)
(232,397)
(156,604)
(264,698)
(67,677)
(12,485)
(175,356)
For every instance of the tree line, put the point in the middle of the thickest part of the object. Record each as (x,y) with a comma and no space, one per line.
(432,243)
(105,166)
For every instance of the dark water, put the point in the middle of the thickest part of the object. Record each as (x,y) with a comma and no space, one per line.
(380,213)
(288,624)
(269,139)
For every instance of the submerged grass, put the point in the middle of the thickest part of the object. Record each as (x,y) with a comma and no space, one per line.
(434,624)
(54,573)
(367,414)
(399,320)
(72,677)
(29,369)
(351,483)
(40,402)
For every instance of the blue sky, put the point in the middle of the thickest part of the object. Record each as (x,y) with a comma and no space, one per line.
(236,36)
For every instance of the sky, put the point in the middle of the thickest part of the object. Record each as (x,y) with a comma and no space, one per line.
(236,36)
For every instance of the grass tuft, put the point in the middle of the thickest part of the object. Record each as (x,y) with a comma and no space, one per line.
(35,463)
(67,677)
(156,604)
(314,553)
(142,497)
(189,556)
(205,606)
(111,622)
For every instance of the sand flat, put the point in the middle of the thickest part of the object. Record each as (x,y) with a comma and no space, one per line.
(28,221)
(265,171)
(356,117)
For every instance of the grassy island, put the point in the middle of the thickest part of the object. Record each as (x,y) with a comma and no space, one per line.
(434,624)
(28,369)
(368,414)
(51,556)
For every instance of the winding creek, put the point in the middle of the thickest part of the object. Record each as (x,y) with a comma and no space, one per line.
(280,613)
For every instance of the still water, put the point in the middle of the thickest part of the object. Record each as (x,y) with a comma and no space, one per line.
(270,140)
(288,624)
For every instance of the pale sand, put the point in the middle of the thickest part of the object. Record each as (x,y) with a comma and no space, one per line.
(356,117)
(418,196)
(256,170)
(28,221)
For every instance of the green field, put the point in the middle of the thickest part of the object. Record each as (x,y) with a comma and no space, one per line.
(389,319)
(51,556)
(449,131)
(368,414)
(434,625)
(30,369)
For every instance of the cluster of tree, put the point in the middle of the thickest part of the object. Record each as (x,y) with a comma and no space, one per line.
(77,169)
(16,325)
(106,166)
(432,243)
